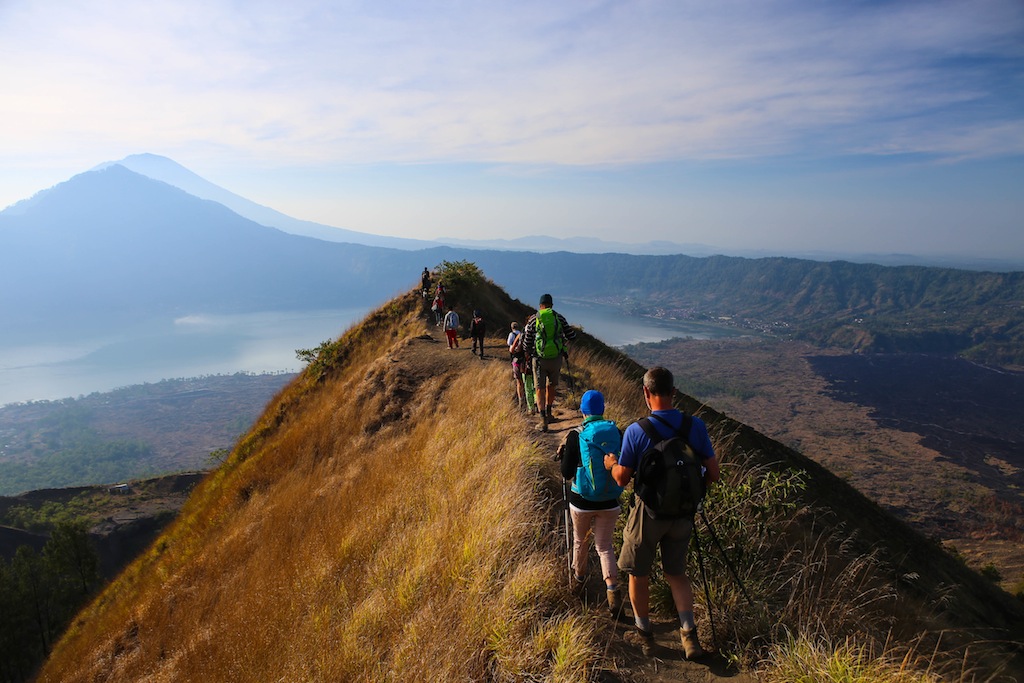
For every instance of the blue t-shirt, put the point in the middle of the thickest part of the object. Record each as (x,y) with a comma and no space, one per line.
(635,441)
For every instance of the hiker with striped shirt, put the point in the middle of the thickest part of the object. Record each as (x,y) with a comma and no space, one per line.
(546,338)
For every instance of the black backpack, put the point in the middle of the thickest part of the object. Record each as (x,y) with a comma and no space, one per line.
(670,477)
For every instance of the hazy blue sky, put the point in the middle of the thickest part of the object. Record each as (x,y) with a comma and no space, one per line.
(859,126)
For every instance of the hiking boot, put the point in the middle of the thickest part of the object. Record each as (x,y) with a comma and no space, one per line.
(645,639)
(544,422)
(614,602)
(691,646)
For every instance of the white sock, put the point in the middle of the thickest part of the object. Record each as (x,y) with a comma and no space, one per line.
(687,621)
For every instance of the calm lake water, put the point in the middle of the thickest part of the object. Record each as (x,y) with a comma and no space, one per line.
(610,326)
(193,346)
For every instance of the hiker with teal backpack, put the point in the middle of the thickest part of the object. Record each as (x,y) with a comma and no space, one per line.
(546,338)
(672,460)
(593,498)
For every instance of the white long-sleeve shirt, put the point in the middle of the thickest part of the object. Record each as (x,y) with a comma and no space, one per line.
(451,320)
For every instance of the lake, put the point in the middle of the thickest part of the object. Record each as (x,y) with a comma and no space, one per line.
(190,346)
(198,345)
(609,325)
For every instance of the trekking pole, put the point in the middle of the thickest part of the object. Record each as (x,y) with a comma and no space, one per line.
(568,531)
(707,590)
(728,563)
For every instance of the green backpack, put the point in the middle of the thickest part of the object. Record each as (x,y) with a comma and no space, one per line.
(548,338)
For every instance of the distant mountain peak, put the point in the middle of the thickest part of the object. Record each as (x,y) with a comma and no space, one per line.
(154,166)
(171,172)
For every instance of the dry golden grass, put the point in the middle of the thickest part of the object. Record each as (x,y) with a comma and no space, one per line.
(335,547)
(802,660)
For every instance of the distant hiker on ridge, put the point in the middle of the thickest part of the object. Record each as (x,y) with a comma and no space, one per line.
(594,496)
(476,331)
(663,514)
(545,338)
(451,327)
(438,308)
(425,281)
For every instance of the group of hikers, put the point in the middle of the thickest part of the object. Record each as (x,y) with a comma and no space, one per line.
(668,456)
(449,319)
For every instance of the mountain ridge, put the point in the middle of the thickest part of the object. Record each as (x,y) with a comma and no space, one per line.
(113,245)
(856,305)
(320,447)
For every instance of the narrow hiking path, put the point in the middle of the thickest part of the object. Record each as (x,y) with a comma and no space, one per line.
(622,662)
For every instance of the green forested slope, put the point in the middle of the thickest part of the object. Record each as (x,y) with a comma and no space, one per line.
(855,306)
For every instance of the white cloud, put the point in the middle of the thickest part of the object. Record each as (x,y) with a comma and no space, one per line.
(367,114)
(539,83)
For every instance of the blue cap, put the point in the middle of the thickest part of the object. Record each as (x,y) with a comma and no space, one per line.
(592,403)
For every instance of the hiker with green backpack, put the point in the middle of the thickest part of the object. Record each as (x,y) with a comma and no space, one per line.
(672,460)
(546,338)
(593,499)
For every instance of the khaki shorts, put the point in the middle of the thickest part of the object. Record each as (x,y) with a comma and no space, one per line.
(642,536)
(546,371)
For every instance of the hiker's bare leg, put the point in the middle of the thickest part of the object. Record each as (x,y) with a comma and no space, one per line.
(640,595)
(682,591)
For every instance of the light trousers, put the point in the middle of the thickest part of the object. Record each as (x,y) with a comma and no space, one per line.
(603,524)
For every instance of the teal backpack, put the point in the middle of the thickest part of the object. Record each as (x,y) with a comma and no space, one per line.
(593,481)
(548,339)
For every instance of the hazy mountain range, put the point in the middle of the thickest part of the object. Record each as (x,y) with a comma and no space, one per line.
(111,247)
(170,172)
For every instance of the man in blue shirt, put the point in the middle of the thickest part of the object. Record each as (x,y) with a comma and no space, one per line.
(643,534)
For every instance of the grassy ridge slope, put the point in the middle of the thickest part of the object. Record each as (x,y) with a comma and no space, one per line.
(348,537)
(390,517)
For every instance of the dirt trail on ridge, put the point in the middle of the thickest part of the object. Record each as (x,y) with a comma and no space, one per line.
(425,356)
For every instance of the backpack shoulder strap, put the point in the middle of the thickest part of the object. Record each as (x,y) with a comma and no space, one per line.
(655,437)
(652,433)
